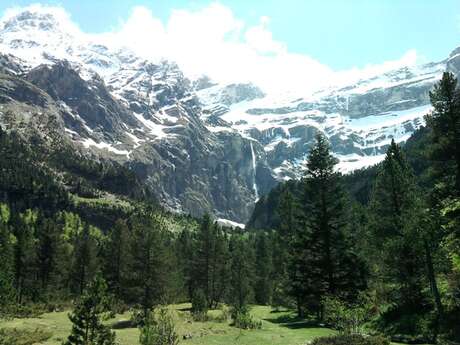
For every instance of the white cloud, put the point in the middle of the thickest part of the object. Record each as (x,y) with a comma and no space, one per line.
(213,41)
(261,39)
(410,58)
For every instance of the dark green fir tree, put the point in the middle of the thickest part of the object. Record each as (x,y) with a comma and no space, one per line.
(87,317)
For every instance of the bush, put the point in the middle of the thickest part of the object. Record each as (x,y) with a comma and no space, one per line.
(243,319)
(225,314)
(23,337)
(158,329)
(346,318)
(29,310)
(351,339)
(406,325)
(199,306)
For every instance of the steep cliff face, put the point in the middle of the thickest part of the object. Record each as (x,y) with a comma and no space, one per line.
(199,145)
(360,119)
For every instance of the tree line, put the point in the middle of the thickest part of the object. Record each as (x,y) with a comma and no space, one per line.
(397,254)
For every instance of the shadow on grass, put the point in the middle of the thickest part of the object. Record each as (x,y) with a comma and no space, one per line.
(292,322)
(184,309)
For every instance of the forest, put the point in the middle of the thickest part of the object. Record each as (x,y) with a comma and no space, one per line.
(372,257)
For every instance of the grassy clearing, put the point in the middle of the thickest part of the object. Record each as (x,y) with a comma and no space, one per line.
(107,200)
(280,328)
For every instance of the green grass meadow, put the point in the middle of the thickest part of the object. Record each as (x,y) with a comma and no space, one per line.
(278,328)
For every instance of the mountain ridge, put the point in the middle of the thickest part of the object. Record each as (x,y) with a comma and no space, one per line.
(198,145)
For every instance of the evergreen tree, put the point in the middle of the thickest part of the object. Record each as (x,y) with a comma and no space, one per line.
(290,216)
(210,261)
(117,257)
(152,266)
(444,122)
(444,216)
(203,258)
(241,291)
(220,267)
(396,211)
(85,261)
(50,256)
(25,255)
(185,255)
(87,317)
(6,263)
(325,262)
(263,268)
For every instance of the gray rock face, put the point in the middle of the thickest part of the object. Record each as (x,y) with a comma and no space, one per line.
(187,166)
(360,119)
(200,146)
(453,62)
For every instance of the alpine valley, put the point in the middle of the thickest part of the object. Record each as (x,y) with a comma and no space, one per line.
(197,145)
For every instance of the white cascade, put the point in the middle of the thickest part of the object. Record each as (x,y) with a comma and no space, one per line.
(254,167)
(374,153)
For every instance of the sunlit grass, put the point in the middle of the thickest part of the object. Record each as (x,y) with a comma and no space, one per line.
(278,328)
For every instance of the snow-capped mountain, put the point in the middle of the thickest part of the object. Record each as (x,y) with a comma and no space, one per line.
(360,119)
(201,146)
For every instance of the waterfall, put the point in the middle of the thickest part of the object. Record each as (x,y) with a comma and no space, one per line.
(254,185)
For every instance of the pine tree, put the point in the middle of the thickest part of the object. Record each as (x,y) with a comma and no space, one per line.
(289,213)
(152,268)
(325,262)
(263,268)
(6,263)
(185,255)
(203,258)
(87,317)
(85,262)
(220,268)
(241,290)
(444,122)
(117,257)
(444,217)
(25,255)
(396,211)
(50,254)
(210,270)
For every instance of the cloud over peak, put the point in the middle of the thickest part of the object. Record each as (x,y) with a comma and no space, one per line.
(213,41)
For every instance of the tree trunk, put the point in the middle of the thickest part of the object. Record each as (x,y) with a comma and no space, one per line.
(434,288)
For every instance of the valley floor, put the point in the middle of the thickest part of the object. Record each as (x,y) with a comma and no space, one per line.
(279,328)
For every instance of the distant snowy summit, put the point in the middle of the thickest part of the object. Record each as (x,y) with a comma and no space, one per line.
(360,120)
(200,145)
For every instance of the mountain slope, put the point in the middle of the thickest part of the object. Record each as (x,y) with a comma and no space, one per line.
(197,145)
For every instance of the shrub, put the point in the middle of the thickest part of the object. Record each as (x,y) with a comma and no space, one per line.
(351,339)
(225,314)
(158,329)
(137,317)
(29,310)
(346,318)
(242,319)
(406,325)
(23,337)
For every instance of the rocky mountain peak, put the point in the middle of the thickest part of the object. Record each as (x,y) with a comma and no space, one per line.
(38,19)
(201,146)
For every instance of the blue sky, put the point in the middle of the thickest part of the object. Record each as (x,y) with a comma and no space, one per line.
(341,34)
(278,45)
